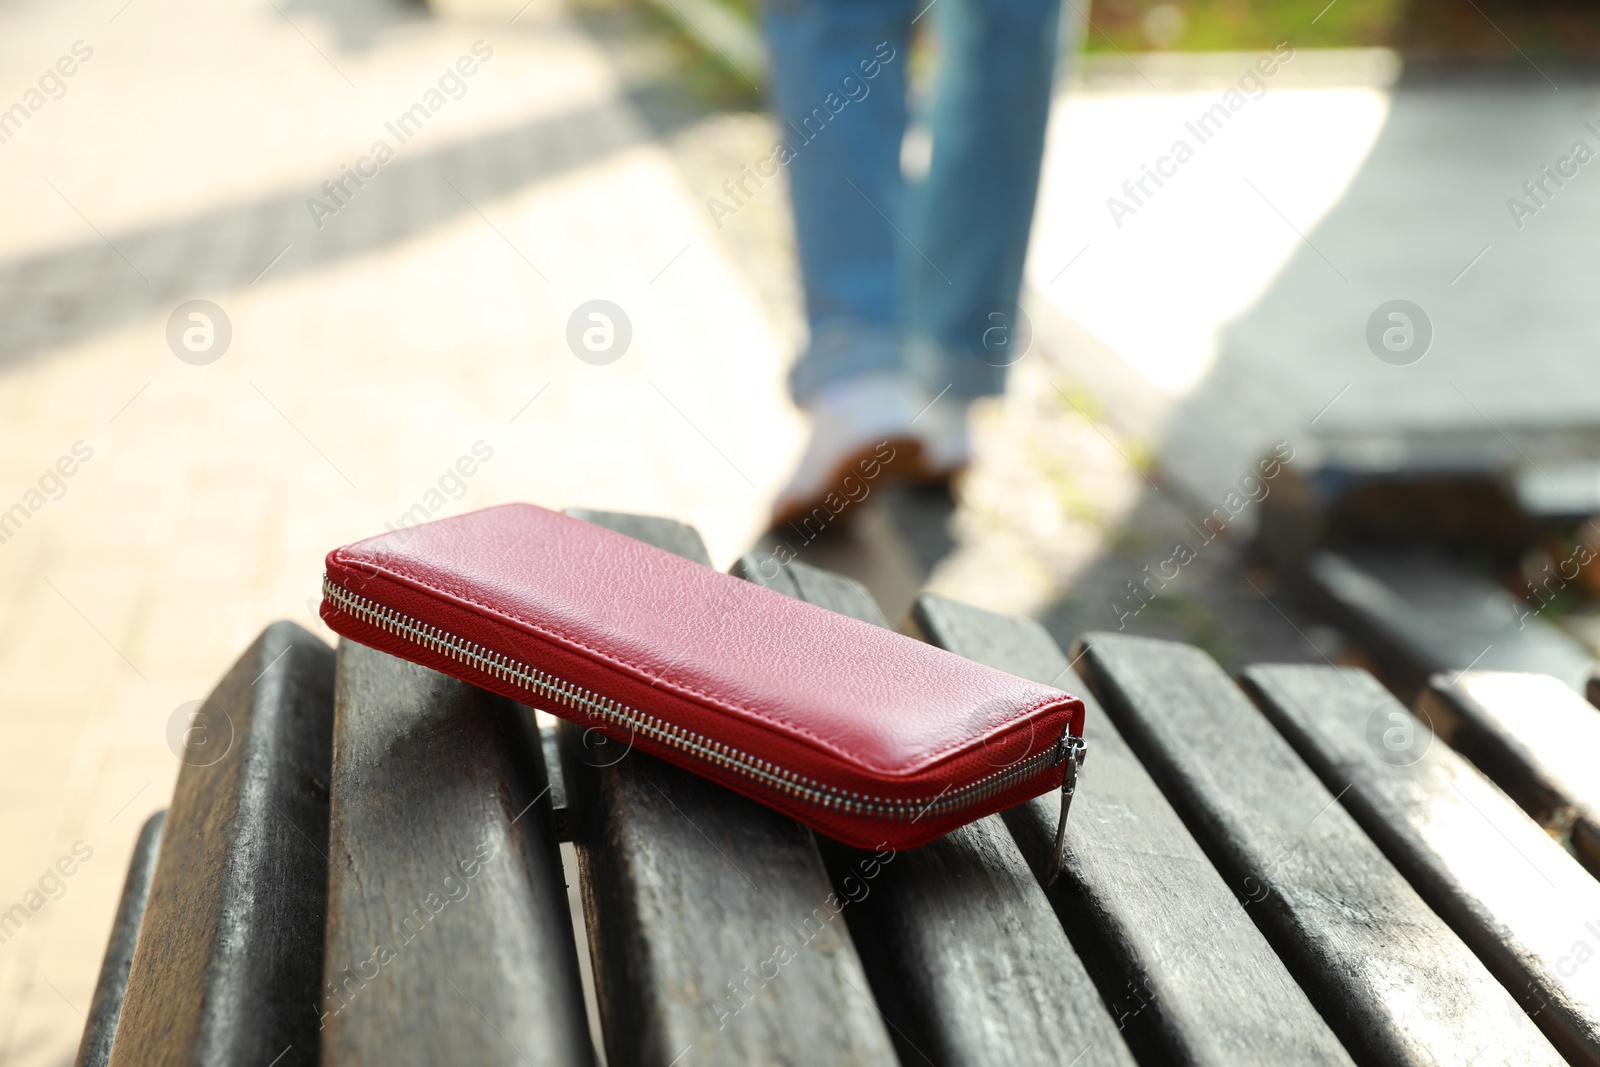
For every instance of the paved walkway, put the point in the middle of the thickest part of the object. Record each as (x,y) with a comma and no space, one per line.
(1229,304)
(423,324)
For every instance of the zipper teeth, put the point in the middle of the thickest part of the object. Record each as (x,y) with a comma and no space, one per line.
(659,730)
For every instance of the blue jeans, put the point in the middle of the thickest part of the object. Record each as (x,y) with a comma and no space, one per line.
(921,279)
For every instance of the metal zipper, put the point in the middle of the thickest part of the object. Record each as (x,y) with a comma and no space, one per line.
(1075,749)
(698,745)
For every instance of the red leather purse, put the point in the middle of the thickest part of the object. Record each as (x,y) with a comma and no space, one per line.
(864,734)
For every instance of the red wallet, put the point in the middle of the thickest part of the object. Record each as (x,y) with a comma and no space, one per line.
(864,734)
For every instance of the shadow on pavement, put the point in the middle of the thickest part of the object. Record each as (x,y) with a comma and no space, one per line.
(44,305)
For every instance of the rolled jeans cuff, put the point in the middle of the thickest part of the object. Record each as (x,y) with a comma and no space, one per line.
(844,349)
(953,370)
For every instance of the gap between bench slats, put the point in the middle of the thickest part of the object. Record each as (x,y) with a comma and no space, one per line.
(1392,979)
(1536,738)
(1526,907)
(1176,957)
(100,1027)
(449,938)
(229,955)
(965,954)
(710,923)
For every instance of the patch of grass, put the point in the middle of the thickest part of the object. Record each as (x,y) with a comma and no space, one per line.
(697,70)
(1128,541)
(1072,397)
(1240,25)
(745,9)
(1484,28)
(1070,496)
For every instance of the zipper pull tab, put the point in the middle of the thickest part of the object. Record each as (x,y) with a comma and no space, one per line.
(1075,751)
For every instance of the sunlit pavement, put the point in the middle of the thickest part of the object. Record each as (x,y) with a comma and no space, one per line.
(1229,302)
(411,353)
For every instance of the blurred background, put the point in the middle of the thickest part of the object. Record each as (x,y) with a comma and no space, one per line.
(1220,431)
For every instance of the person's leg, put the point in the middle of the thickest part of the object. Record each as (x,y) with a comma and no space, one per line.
(971,215)
(838,87)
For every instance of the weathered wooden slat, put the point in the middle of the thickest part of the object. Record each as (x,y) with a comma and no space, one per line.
(100,1028)
(669,535)
(713,928)
(1177,958)
(1415,614)
(449,937)
(1536,738)
(229,956)
(836,592)
(1526,907)
(1391,978)
(965,954)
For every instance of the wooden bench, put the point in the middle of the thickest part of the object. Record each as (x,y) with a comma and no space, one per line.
(1293,872)
(1370,529)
